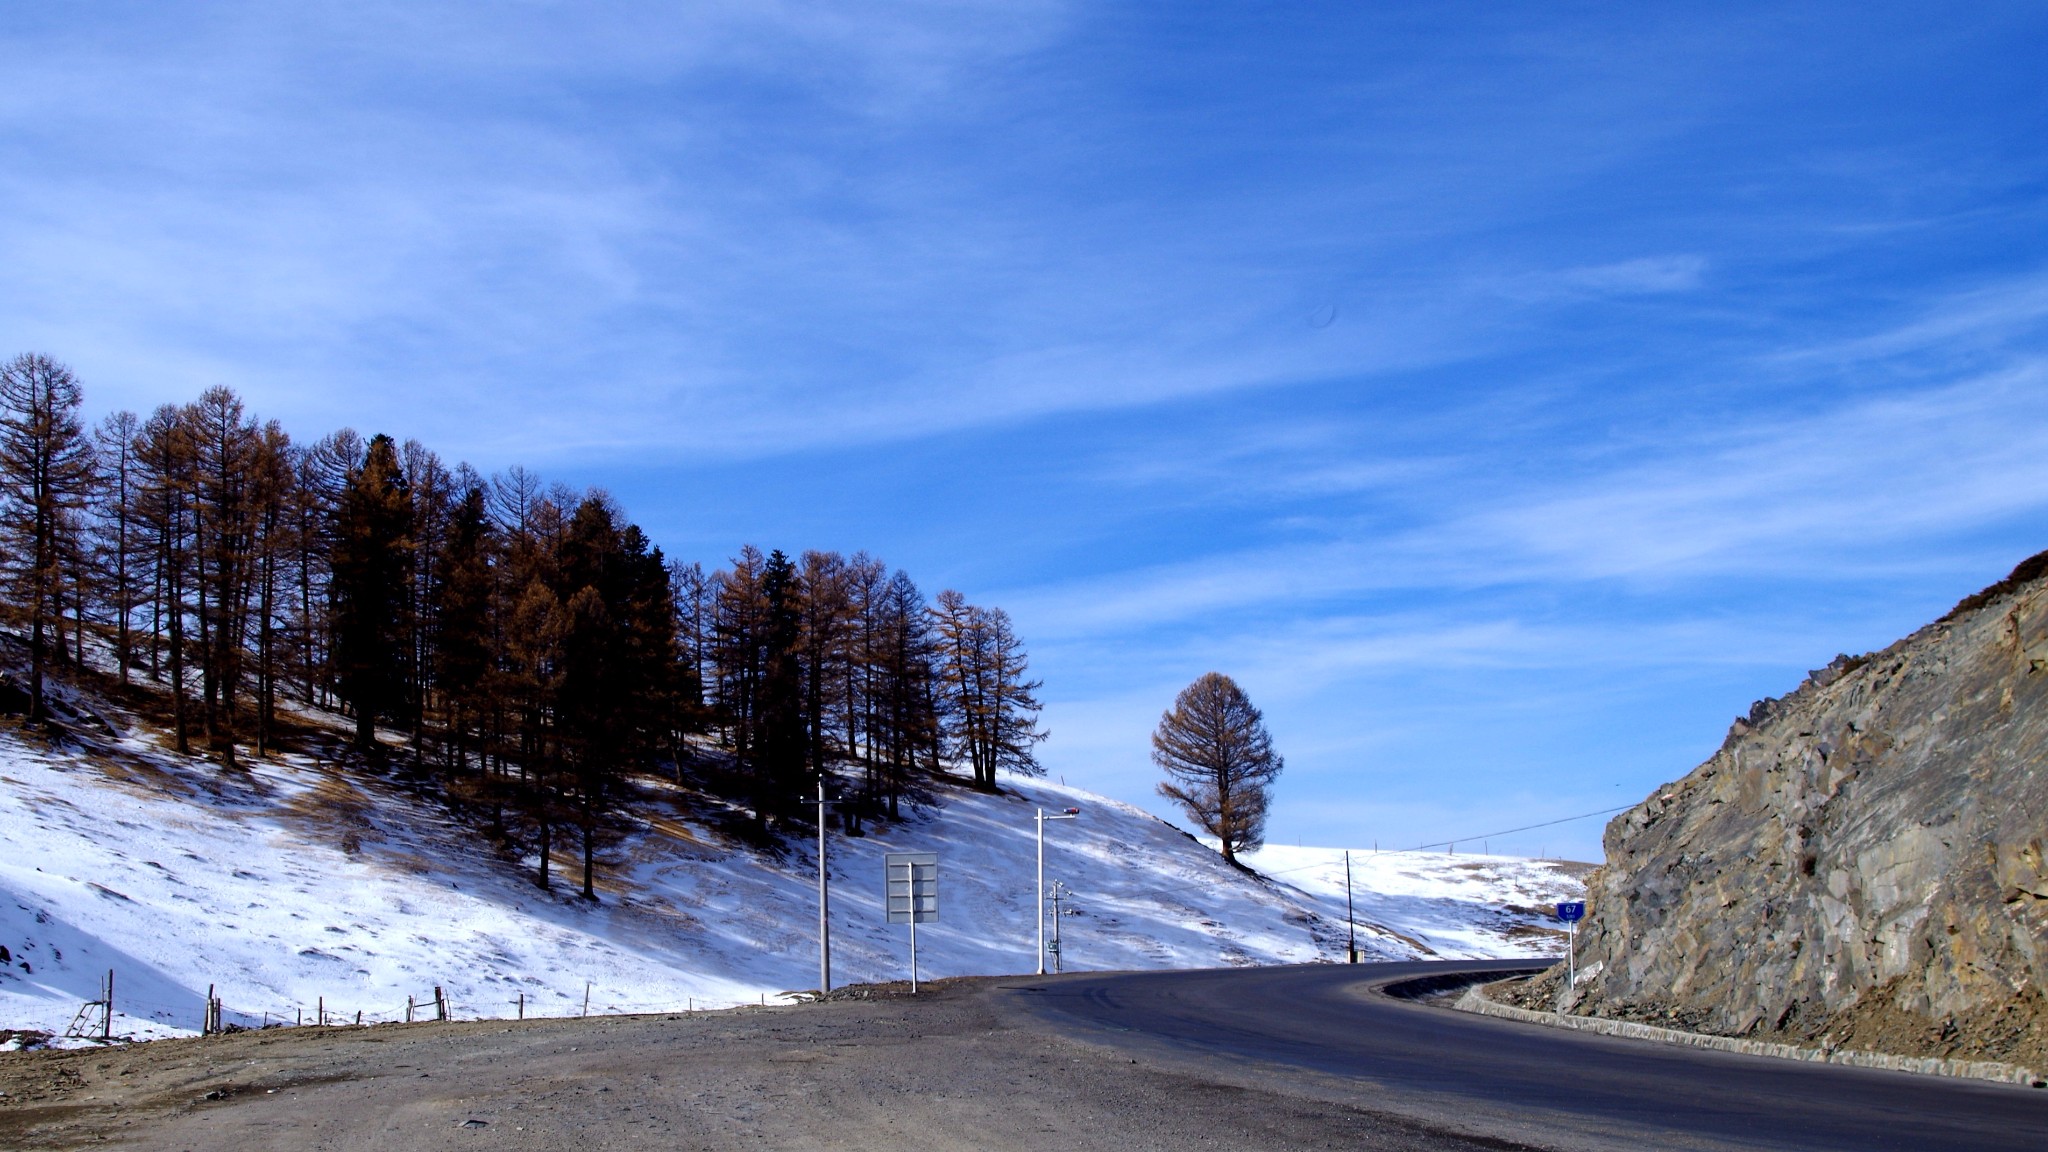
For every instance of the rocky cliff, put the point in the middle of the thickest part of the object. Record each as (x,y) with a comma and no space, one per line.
(1860,865)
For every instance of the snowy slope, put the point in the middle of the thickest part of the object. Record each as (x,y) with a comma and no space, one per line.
(1444,906)
(291,883)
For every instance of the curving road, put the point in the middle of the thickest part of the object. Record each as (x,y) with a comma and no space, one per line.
(1330,1026)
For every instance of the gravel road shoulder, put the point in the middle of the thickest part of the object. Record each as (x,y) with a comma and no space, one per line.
(958,1066)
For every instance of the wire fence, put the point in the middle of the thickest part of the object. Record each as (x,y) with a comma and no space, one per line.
(212,1013)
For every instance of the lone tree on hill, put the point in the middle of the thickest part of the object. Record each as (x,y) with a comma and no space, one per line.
(1219,761)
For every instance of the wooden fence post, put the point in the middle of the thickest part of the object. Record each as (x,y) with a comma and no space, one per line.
(440,1004)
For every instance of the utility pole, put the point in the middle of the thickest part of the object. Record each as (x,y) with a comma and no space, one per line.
(1350,918)
(1059,954)
(1069,814)
(824,902)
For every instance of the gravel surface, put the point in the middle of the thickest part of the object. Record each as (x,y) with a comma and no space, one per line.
(960,1066)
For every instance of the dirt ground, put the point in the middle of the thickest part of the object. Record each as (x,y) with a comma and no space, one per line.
(960,1066)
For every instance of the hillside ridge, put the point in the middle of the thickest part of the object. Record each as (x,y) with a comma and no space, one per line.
(1860,864)
(302,881)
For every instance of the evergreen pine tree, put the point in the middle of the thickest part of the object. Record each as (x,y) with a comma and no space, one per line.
(822,640)
(371,579)
(462,595)
(594,700)
(779,775)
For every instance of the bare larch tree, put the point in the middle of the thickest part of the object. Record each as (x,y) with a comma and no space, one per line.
(46,474)
(1219,761)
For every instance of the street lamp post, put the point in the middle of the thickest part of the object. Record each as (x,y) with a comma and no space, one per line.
(1069,814)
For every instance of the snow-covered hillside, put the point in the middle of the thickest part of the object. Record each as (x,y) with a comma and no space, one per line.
(1441,905)
(289,884)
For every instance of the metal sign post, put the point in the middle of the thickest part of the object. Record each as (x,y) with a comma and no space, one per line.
(1571,912)
(910,892)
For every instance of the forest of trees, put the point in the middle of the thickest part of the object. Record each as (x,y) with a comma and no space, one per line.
(524,643)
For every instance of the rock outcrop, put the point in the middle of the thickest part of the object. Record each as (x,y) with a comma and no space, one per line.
(1861,864)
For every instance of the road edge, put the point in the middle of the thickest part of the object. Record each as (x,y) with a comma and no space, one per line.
(1475,1000)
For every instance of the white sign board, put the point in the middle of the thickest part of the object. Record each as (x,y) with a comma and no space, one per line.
(912,887)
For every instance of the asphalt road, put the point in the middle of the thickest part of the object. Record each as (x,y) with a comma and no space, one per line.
(1330,1026)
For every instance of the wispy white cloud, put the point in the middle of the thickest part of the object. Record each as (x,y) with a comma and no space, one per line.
(1784,499)
(339,214)
(1987,319)
(738,231)
(1860,486)
(1648,275)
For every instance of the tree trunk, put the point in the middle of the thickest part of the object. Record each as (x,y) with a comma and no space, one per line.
(545,848)
(589,832)
(36,712)
(179,721)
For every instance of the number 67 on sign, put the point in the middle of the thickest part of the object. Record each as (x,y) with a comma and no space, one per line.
(1571,912)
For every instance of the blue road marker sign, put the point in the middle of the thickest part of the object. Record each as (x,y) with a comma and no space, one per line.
(1572,911)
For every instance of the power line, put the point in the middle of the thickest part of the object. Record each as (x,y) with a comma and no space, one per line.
(1525,828)
(1465,839)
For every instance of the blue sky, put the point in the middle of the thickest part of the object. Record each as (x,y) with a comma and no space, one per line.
(1505,394)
